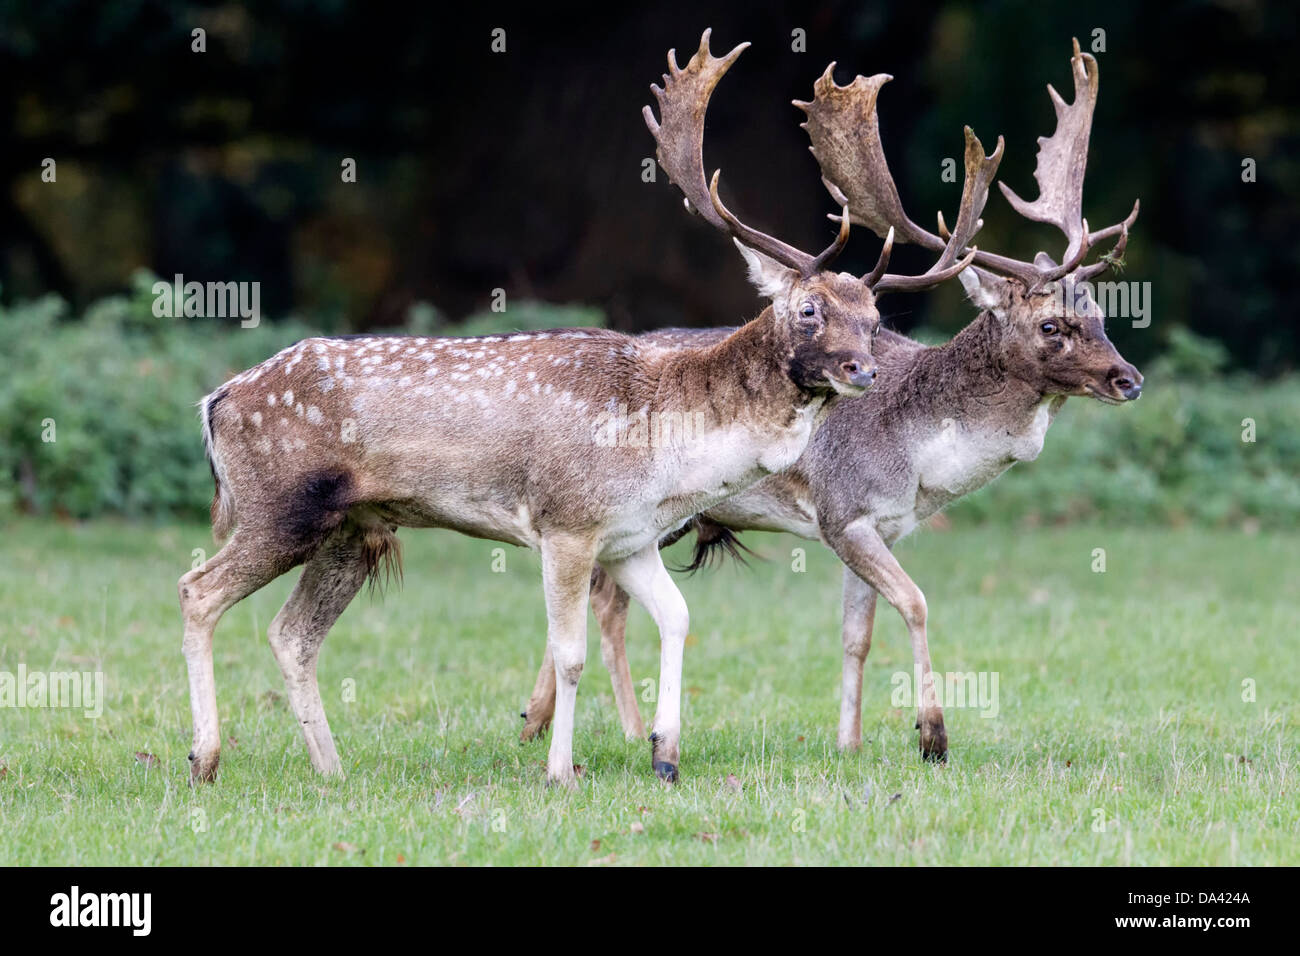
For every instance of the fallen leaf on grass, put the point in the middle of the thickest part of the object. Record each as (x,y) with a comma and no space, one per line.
(733,783)
(708,837)
(595,845)
(637,827)
(348,848)
(149,760)
(4,771)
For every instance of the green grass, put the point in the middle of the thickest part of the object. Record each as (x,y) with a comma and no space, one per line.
(1119,692)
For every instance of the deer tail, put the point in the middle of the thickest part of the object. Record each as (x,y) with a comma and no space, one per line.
(223,503)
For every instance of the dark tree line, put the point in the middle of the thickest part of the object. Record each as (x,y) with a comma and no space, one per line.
(522,169)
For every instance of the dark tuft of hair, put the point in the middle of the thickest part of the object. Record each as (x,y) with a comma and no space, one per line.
(715,543)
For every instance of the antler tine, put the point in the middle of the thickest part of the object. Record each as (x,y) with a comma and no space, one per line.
(1122,226)
(770,246)
(679,136)
(1052,273)
(1063,157)
(872,277)
(831,252)
(933,277)
(980,170)
(1108,260)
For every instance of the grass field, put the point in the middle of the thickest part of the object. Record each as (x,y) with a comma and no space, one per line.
(1122,735)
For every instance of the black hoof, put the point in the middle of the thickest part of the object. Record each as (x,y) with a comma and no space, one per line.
(934,756)
(665,771)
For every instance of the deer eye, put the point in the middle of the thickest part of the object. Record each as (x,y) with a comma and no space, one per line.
(808,310)
(1049,328)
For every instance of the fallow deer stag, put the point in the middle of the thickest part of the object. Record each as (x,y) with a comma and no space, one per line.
(944,421)
(323,451)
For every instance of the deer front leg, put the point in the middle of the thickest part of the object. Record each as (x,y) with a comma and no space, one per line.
(859,617)
(566,575)
(610,602)
(645,578)
(861,548)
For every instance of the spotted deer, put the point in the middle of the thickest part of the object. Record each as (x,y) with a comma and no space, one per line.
(321,452)
(944,420)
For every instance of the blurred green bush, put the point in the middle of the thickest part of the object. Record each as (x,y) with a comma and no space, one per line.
(117,391)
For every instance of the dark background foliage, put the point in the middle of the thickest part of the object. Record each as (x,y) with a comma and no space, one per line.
(522,170)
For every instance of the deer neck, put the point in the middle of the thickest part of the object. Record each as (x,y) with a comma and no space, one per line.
(743,382)
(969,379)
(981,418)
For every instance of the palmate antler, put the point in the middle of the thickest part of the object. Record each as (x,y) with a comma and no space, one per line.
(679,136)
(845,135)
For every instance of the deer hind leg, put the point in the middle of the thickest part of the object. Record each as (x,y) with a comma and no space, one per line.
(865,552)
(243,566)
(541,705)
(644,577)
(858,621)
(610,602)
(566,577)
(329,581)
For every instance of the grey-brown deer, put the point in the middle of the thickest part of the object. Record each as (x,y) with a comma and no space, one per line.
(321,452)
(943,422)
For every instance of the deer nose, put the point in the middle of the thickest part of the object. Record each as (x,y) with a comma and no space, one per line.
(1127,381)
(858,373)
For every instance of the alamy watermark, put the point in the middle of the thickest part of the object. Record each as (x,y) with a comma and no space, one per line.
(82,690)
(1117,300)
(646,429)
(133,911)
(949,690)
(211,300)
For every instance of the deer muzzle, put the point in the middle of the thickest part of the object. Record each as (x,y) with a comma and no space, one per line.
(853,376)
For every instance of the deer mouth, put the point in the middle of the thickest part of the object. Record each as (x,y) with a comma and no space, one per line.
(846,387)
(1105,399)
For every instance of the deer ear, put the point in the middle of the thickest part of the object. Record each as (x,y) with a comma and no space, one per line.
(769,277)
(986,291)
